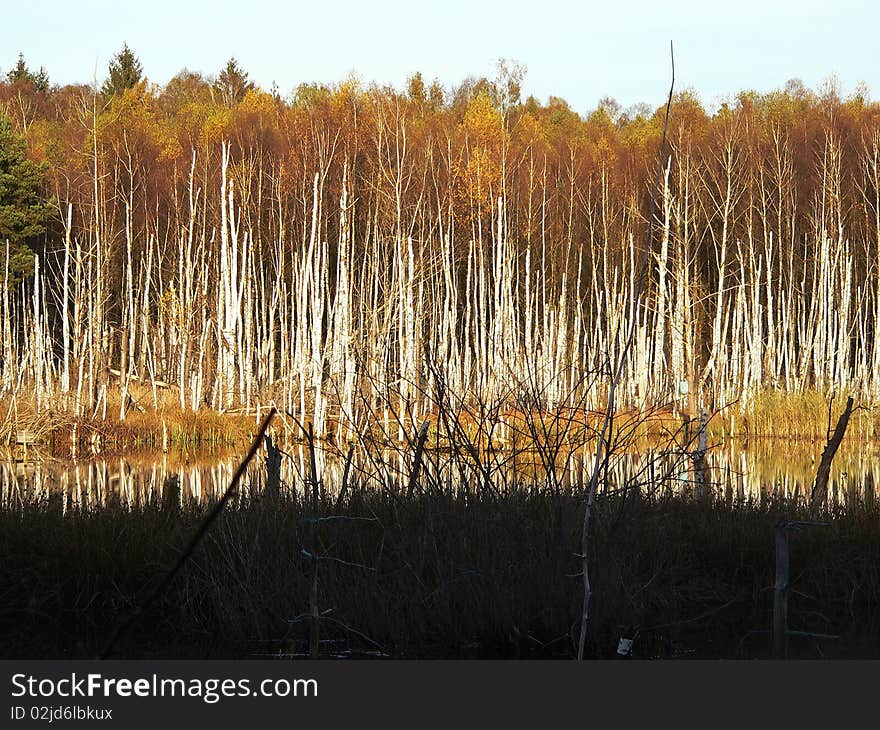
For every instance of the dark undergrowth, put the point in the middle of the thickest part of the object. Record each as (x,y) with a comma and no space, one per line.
(437,575)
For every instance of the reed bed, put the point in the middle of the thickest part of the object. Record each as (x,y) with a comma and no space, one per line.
(443,573)
(804,416)
(809,414)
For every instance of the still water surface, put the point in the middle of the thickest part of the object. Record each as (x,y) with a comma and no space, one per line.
(736,469)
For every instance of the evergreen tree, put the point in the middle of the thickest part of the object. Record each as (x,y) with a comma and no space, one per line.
(23,210)
(232,84)
(22,74)
(125,71)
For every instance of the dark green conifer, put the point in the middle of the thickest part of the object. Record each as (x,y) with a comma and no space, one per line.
(23,209)
(232,84)
(125,71)
(22,74)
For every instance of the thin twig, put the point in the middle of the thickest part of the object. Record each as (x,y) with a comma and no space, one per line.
(602,449)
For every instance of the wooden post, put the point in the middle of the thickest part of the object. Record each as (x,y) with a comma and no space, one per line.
(345,473)
(780,593)
(314,636)
(417,459)
(701,469)
(171,494)
(273,469)
(781,632)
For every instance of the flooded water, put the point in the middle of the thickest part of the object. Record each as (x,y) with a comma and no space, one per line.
(736,470)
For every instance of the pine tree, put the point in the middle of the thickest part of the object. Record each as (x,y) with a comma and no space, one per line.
(22,74)
(23,210)
(232,84)
(125,71)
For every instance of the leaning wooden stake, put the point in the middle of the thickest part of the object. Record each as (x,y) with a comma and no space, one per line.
(345,473)
(196,539)
(820,487)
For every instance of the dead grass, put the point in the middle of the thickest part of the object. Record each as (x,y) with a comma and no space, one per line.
(802,415)
(168,426)
(157,421)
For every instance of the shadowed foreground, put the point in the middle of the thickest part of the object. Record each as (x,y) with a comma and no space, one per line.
(438,574)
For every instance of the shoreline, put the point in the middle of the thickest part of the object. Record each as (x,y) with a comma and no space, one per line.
(806,416)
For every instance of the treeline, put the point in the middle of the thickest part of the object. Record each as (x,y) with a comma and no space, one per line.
(354,249)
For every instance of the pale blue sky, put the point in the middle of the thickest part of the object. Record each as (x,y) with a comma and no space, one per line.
(580,51)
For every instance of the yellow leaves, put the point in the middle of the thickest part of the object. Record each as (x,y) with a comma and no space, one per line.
(483,174)
(563,124)
(475,184)
(478,180)
(132,102)
(605,154)
(254,120)
(190,120)
(203,123)
(165,139)
(133,126)
(483,122)
(346,96)
(216,126)
(687,114)
(43,138)
(641,133)
(170,303)
(258,103)
(600,121)
(529,132)
(781,108)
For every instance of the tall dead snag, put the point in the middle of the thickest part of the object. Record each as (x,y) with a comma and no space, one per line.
(820,487)
(603,448)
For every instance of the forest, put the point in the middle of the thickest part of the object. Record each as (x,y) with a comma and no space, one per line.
(352,250)
(485,327)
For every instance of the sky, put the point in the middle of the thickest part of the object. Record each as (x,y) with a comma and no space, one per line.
(579,51)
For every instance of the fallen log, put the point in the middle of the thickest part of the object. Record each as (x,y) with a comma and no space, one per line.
(145,381)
